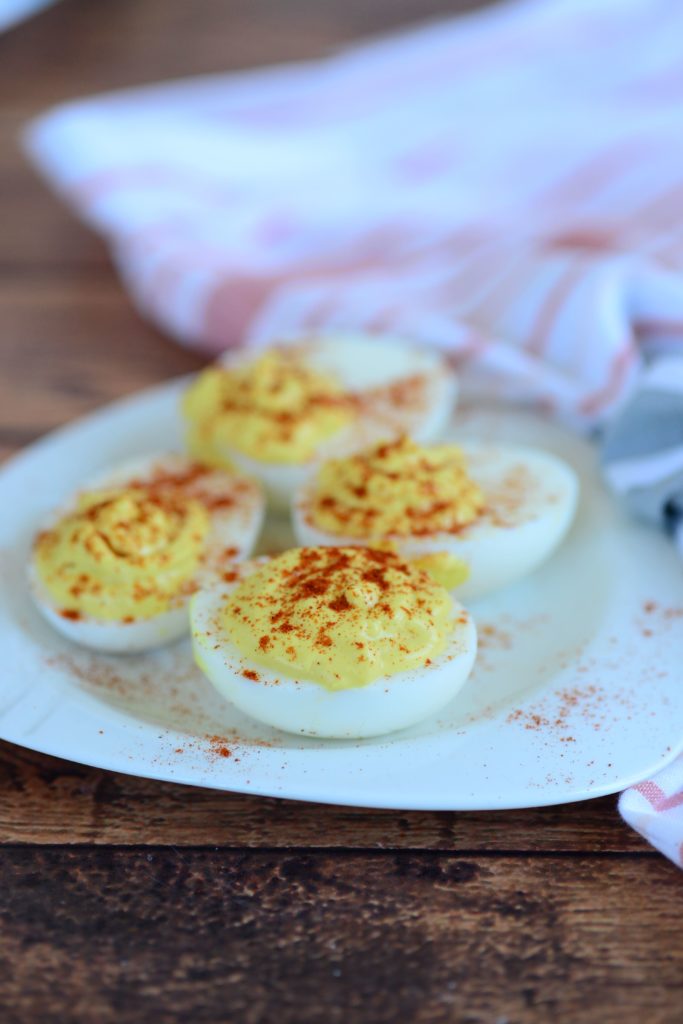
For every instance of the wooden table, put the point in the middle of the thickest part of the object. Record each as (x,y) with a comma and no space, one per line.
(131,901)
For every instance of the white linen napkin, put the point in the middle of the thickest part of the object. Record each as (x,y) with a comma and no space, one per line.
(506,186)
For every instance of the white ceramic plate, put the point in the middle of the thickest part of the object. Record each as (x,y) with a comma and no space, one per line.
(576,692)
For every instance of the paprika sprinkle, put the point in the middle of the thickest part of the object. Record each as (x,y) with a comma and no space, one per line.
(341,617)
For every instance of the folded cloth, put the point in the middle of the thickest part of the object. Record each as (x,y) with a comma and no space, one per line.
(506,186)
(655,809)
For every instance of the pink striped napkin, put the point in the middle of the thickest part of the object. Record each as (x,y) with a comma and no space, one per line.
(655,809)
(506,186)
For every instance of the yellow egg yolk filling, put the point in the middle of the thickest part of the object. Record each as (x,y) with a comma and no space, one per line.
(397,489)
(340,617)
(123,554)
(273,409)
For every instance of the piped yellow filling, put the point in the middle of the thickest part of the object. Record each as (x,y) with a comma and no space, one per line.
(396,489)
(273,409)
(122,554)
(340,617)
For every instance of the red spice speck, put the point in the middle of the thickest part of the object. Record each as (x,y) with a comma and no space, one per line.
(70,613)
(218,746)
(249,673)
(491,636)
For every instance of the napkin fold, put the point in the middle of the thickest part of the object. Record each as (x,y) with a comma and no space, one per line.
(655,809)
(507,186)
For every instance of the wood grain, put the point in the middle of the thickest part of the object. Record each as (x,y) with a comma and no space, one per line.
(112,935)
(84,345)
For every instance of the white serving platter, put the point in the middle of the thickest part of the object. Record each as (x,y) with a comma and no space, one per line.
(577,691)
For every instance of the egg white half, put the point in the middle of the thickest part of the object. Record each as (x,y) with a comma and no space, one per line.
(308,708)
(372,367)
(531,498)
(234,527)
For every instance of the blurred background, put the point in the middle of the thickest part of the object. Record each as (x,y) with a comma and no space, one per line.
(69,338)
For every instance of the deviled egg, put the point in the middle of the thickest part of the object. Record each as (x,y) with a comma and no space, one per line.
(273,412)
(334,642)
(115,568)
(478,517)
